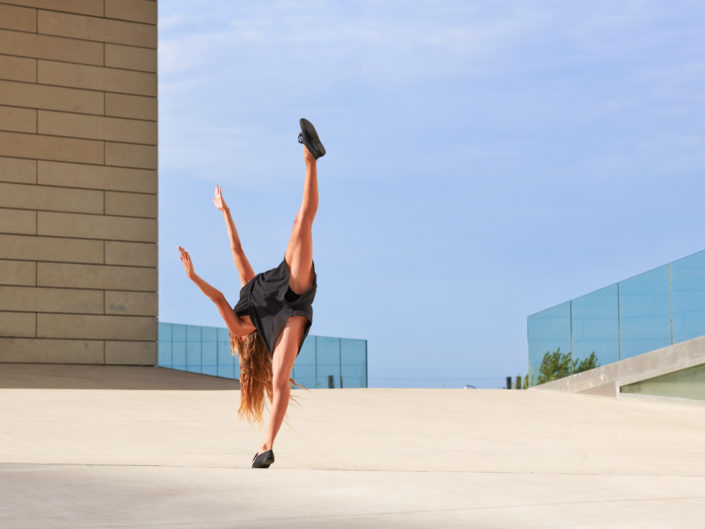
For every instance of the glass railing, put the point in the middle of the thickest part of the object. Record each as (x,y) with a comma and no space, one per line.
(649,311)
(324,362)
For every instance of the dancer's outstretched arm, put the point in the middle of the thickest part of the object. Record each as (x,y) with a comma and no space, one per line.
(243,265)
(236,325)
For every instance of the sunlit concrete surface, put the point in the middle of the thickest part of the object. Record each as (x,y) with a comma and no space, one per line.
(73,455)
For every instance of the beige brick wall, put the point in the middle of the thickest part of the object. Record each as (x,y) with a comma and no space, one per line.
(78,181)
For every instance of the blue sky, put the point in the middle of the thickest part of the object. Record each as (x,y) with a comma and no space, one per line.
(486,160)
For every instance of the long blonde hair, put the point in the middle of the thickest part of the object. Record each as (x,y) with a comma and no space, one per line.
(255,375)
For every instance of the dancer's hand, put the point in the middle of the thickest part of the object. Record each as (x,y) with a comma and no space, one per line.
(218,200)
(188,265)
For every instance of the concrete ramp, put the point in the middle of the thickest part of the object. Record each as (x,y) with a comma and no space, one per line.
(648,373)
(169,453)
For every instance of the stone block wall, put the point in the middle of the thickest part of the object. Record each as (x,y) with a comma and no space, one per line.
(78,181)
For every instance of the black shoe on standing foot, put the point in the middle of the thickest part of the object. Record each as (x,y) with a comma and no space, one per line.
(309,137)
(263,460)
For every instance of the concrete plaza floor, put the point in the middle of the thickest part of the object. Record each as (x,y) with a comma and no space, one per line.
(145,447)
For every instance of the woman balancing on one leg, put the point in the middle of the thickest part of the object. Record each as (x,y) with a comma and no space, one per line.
(269,323)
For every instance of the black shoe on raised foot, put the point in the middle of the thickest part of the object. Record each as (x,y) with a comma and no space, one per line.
(263,460)
(309,137)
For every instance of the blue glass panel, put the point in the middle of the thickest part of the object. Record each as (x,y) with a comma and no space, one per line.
(178,346)
(547,331)
(304,371)
(164,345)
(206,350)
(328,356)
(193,348)
(366,364)
(353,358)
(227,364)
(209,351)
(688,287)
(595,327)
(644,313)
(164,332)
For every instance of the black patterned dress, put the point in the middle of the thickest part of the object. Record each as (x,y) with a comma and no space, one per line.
(269,302)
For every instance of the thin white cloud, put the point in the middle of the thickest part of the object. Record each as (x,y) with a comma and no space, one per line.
(376,40)
(542,69)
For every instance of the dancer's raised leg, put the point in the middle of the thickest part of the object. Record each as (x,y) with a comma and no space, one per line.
(299,251)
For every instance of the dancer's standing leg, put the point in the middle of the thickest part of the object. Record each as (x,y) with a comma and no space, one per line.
(299,256)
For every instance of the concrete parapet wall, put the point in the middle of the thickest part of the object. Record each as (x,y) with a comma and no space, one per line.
(606,380)
(78,181)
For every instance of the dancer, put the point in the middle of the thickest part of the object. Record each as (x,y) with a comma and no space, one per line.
(269,323)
